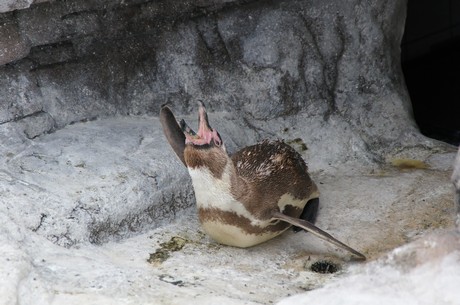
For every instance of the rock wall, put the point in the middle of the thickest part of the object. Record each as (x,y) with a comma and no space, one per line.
(456,182)
(85,170)
(325,77)
(70,61)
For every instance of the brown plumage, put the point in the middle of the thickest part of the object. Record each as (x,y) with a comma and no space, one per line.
(271,169)
(251,197)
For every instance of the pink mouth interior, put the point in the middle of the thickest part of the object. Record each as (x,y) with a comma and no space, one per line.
(205,134)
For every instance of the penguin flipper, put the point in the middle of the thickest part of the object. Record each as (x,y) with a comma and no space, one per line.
(317,232)
(309,213)
(173,132)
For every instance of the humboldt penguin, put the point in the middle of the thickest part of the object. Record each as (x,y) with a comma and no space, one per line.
(252,196)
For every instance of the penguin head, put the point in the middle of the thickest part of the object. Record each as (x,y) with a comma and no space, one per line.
(206,137)
(204,149)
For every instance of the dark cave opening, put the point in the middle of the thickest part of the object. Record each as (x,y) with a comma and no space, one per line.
(431,65)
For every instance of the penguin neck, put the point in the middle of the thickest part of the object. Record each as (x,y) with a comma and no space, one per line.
(214,169)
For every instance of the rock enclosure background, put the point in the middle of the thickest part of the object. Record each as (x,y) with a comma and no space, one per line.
(86,176)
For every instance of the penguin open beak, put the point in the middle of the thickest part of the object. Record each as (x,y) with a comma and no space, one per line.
(205,134)
(180,135)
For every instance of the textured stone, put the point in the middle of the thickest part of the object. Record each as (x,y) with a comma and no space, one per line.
(88,185)
(83,208)
(422,272)
(50,23)
(11,5)
(85,183)
(456,182)
(37,124)
(332,64)
(262,60)
(12,45)
(20,94)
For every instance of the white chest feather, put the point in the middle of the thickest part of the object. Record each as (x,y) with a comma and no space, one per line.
(216,193)
(213,193)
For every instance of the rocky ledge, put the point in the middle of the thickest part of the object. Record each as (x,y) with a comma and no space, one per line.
(95,209)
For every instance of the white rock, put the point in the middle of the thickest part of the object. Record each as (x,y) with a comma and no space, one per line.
(109,170)
(424,272)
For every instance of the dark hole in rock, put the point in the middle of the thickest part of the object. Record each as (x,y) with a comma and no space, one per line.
(431,47)
(324,267)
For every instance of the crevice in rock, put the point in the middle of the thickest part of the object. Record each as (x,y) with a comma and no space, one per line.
(334,74)
(42,219)
(212,39)
(102,231)
(318,56)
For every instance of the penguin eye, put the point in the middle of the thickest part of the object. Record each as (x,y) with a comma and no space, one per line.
(217,142)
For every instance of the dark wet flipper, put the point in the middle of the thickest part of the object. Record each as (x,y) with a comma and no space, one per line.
(309,213)
(173,132)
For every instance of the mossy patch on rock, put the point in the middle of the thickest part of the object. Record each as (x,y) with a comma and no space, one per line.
(176,243)
(408,164)
(298,144)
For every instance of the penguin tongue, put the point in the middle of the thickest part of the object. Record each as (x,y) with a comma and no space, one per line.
(204,130)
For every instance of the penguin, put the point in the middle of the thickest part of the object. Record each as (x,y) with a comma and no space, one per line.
(251,196)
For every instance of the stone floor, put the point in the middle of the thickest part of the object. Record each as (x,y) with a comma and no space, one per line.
(405,202)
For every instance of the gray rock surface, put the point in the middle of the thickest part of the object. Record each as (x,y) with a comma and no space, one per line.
(331,67)
(89,189)
(93,182)
(422,272)
(12,45)
(11,5)
(262,60)
(456,182)
(97,213)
